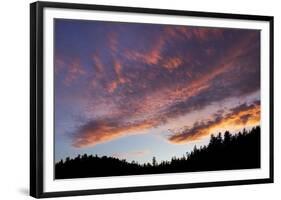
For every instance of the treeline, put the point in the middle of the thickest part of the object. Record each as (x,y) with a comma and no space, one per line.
(224,152)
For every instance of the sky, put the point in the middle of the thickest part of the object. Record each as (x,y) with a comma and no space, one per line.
(135,90)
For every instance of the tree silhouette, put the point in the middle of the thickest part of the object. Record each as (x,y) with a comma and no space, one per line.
(154,162)
(237,151)
(227,138)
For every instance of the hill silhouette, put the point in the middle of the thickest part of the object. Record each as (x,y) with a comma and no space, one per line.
(237,151)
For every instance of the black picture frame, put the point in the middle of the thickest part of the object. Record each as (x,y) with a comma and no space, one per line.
(37,98)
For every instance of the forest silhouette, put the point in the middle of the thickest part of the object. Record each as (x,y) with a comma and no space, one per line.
(224,152)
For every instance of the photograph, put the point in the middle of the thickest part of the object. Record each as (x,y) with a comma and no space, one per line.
(130,99)
(140,98)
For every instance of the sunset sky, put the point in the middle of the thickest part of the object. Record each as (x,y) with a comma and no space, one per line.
(135,91)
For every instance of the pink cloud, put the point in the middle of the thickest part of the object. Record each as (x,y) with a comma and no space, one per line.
(97,63)
(152,56)
(131,154)
(74,71)
(238,117)
(112,41)
(172,63)
(96,132)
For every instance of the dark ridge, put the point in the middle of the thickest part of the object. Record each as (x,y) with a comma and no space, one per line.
(237,151)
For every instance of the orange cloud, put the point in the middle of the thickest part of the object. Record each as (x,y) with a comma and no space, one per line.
(172,63)
(152,57)
(165,103)
(238,117)
(118,71)
(96,132)
(112,86)
(161,99)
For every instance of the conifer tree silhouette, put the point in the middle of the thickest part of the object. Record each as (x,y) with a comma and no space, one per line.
(237,151)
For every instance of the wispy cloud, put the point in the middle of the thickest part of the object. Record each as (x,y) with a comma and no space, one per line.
(195,33)
(95,132)
(119,78)
(241,116)
(172,63)
(112,41)
(151,56)
(74,71)
(131,154)
(137,77)
(98,65)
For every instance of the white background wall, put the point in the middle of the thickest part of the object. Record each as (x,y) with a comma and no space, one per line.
(14,99)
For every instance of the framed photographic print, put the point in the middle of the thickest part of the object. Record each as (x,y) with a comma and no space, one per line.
(130,99)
